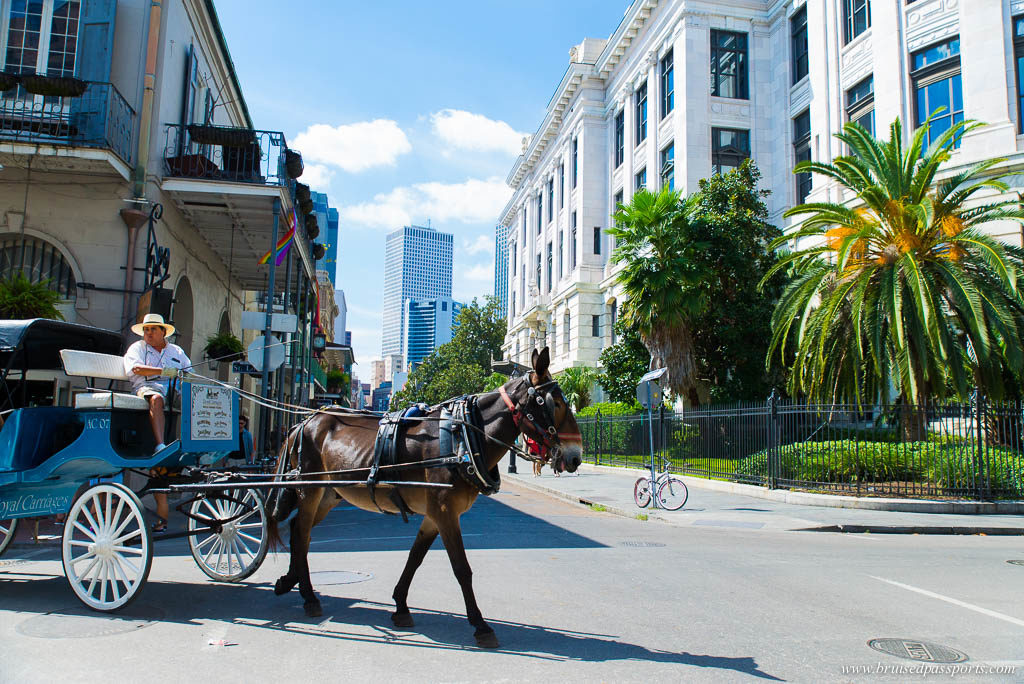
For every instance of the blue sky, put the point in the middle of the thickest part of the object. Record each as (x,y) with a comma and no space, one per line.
(407,111)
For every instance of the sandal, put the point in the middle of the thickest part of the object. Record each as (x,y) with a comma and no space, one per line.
(159,526)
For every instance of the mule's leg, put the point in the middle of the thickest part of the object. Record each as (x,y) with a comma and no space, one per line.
(298,568)
(451,535)
(424,538)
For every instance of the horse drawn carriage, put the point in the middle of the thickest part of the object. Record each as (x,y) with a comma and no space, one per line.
(72,460)
(429,461)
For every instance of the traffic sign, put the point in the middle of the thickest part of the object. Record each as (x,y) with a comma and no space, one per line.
(275,357)
(244,367)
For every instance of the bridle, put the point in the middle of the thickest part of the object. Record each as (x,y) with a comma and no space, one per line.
(538,397)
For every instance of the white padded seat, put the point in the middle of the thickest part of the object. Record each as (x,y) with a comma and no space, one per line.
(110,400)
(93,365)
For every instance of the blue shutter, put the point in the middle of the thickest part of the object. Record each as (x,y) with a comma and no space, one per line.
(95,40)
(187,95)
(94,54)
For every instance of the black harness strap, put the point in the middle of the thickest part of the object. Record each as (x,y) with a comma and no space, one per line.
(385,453)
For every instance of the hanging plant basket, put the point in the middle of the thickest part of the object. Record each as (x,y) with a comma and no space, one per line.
(302,192)
(319,250)
(293,163)
(8,81)
(54,86)
(223,347)
(306,206)
(226,136)
(312,227)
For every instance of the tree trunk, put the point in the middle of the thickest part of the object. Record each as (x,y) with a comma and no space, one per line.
(671,347)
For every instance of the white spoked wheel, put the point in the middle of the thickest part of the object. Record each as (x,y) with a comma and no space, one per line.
(7,530)
(238,549)
(107,549)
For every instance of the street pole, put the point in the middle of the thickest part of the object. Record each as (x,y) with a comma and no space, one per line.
(268,310)
(512,455)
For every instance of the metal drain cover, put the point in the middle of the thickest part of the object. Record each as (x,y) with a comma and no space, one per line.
(922,651)
(641,544)
(79,622)
(1015,562)
(326,577)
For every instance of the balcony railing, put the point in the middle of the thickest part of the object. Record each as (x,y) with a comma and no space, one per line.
(225,153)
(100,117)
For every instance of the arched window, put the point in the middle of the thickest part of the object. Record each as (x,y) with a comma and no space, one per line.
(40,261)
(182,315)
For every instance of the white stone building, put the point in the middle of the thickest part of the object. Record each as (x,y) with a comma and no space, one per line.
(683,89)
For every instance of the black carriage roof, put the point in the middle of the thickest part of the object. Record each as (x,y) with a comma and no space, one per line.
(36,343)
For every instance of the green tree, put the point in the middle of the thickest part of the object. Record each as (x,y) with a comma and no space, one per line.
(660,281)
(902,289)
(494,381)
(461,366)
(20,299)
(576,382)
(731,335)
(623,364)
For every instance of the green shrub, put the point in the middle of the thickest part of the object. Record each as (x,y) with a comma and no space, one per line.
(21,299)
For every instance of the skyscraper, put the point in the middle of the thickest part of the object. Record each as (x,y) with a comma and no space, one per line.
(501,268)
(426,325)
(417,265)
(327,218)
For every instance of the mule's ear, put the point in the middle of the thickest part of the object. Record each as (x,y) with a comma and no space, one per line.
(533,358)
(541,362)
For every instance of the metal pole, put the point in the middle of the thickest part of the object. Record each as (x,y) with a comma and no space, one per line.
(303,347)
(285,336)
(268,310)
(293,351)
(650,432)
(512,455)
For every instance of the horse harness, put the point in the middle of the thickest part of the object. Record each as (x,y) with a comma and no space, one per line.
(460,441)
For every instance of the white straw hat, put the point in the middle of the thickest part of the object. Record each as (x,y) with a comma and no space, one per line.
(153,319)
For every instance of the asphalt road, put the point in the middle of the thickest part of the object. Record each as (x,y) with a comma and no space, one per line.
(573,594)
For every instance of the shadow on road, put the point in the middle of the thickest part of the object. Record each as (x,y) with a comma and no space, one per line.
(254,606)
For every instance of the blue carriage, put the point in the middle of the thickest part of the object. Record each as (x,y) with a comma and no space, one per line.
(72,460)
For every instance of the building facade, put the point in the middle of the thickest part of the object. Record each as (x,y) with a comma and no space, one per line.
(682,90)
(501,268)
(426,325)
(417,265)
(327,219)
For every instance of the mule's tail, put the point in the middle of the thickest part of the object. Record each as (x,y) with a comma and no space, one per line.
(282,501)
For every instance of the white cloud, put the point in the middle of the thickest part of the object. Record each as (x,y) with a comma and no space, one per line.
(480,272)
(317,176)
(353,147)
(482,245)
(471,131)
(473,201)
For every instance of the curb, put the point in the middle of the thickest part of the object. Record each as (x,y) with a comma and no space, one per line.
(577,499)
(841,500)
(918,529)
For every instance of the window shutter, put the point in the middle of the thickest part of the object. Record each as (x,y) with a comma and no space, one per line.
(187,96)
(95,40)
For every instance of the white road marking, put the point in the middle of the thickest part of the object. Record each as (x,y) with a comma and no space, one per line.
(955,602)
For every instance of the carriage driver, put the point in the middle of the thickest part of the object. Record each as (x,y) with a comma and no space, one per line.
(144,362)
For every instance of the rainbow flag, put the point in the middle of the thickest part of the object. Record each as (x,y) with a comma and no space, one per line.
(283,245)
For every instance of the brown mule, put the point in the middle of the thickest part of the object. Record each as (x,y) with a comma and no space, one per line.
(334,442)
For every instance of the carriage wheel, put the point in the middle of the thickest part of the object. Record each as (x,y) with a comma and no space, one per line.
(107,549)
(7,530)
(239,548)
(642,492)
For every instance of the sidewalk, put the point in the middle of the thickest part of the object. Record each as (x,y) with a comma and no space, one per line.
(612,489)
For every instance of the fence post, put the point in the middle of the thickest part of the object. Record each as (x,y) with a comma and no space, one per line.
(597,425)
(773,449)
(981,480)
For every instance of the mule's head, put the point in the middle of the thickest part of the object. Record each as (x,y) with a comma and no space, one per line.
(547,418)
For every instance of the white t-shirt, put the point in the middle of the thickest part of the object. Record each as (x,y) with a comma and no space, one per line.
(141,354)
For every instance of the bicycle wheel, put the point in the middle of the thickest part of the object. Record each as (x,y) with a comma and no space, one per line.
(642,492)
(672,494)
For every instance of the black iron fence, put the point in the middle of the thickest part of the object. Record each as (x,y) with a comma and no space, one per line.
(969,450)
(99,117)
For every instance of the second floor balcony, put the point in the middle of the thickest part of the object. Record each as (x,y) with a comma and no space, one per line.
(225,153)
(80,127)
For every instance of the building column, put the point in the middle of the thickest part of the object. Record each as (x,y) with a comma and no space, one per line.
(653,119)
(984,64)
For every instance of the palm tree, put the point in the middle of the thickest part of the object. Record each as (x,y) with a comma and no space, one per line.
(902,289)
(651,239)
(576,382)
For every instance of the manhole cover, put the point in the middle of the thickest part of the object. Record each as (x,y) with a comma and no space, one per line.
(325,577)
(80,622)
(641,544)
(918,650)
(1015,562)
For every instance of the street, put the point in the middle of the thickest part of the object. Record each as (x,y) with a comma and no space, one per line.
(573,594)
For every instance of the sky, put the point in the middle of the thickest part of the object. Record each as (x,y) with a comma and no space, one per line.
(407,112)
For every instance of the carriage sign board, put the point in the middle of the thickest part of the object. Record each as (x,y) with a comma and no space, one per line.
(209,418)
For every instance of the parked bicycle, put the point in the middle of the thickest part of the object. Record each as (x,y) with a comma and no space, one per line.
(670,490)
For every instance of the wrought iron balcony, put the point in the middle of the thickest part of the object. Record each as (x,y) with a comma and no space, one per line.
(225,153)
(100,117)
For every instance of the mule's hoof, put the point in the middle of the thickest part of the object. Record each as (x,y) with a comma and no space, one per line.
(487,639)
(313,609)
(282,586)
(403,620)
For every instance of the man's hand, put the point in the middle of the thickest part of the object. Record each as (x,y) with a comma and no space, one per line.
(169,372)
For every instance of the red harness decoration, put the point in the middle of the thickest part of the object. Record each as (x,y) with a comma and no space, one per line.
(532,446)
